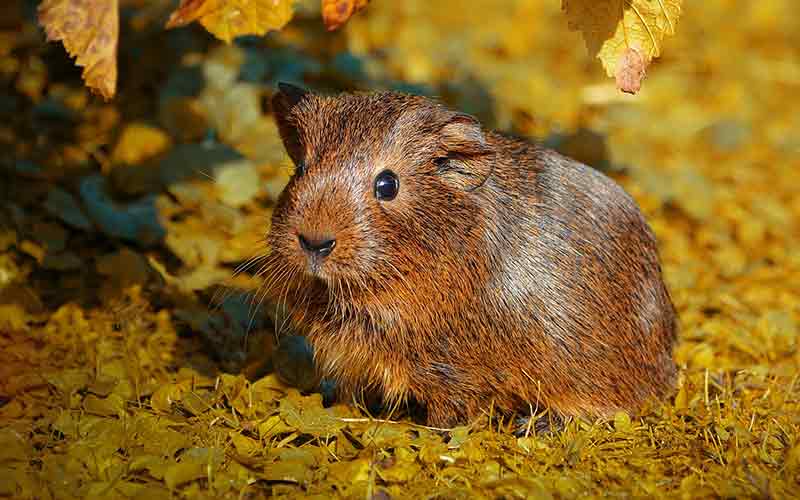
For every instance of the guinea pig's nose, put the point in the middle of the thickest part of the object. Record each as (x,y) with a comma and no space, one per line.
(317,247)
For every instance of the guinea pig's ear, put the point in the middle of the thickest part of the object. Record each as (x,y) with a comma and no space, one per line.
(283,101)
(464,155)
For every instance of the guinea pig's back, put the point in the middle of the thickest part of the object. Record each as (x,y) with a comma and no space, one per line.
(580,265)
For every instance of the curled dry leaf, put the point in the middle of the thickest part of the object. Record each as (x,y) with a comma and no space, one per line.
(89,30)
(617,31)
(336,12)
(227,19)
(631,70)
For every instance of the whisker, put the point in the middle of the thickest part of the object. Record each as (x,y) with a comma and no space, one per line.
(244,266)
(204,174)
(224,292)
(282,302)
(274,269)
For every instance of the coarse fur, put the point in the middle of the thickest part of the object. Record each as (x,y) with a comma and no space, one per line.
(502,274)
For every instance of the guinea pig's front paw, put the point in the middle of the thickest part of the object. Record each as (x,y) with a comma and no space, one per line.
(294,363)
(327,388)
(549,423)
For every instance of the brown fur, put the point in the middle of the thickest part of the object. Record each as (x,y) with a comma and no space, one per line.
(501,273)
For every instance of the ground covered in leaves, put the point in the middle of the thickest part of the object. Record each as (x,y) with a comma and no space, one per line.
(118,221)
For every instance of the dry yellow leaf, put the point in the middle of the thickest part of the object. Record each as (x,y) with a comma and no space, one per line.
(139,142)
(227,19)
(89,30)
(616,29)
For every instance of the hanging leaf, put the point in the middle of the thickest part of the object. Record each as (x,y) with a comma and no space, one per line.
(227,19)
(336,12)
(624,34)
(631,70)
(89,30)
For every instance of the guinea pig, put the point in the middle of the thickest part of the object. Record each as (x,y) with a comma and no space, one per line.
(428,259)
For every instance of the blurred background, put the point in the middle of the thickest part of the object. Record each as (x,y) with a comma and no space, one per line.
(120,220)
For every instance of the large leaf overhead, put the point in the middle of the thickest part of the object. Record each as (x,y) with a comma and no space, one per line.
(227,19)
(89,30)
(624,34)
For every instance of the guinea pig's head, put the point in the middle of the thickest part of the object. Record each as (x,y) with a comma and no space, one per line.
(385,189)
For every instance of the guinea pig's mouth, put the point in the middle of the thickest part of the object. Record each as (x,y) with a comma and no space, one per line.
(315,269)
(328,275)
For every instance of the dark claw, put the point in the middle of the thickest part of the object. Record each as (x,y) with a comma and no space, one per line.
(548,423)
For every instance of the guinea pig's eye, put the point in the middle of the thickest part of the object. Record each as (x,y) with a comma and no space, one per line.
(300,169)
(386,185)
